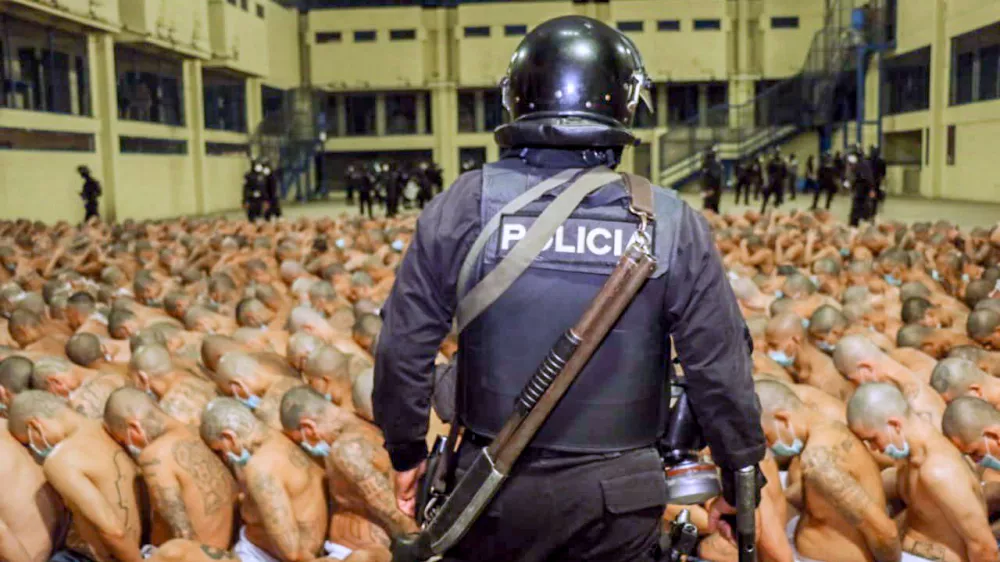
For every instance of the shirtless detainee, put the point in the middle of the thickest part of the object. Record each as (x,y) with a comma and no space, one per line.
(87,391)
(843,505)
(358,470)
(95,478)
(284,507)
(973,426)
(945,516)
(15,378)
(181,394)
(255,385)
(790,348)
(953,378)
(190,490)
(326,371)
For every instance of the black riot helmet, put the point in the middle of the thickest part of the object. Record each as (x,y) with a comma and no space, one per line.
(573,81)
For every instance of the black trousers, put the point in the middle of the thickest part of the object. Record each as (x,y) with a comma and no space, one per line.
(711,203)
(779,197)
(255,210)
(365,199)
(90,210)
(605,508)
(860,211)
(273,209)
(830,192)
(744,189)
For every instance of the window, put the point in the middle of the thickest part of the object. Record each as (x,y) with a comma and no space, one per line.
(467,112)
(150,88)
(147,145)
(668,25)
(976,65)
(494,114)
(906,80)
(359,110)
(43,69)
(328,37)
(364,36)
(477,31)
(402,34)
(401,114)
(225,102)
(951,145)
(635,26)
(272,101)
(707,25)
(515,30)
(233,2)
(226,149)
(791,22)
(471,158)
(682,103)
(989,59)
(245,5)
(964,74)
(35,139)
(717,95)
(260,11)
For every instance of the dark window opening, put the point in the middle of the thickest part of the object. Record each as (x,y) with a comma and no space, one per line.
(477,31)
(245,5)
(147,145)
(260,11)
(328,37)
(471,158)
(150,88)
(226,149)
(402,34)
(906,82)
(359,110)
(35,139)
(976,65)
(466,112)
(494,114)
(707,25)
(951,145)
(668,25)
(635,26)
(645,118)
(401,114)
(43,69)
(515,30)
(791,22)
(364,36)
(225,102)
(682,103)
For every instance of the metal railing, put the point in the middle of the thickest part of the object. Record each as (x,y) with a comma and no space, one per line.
(290,139)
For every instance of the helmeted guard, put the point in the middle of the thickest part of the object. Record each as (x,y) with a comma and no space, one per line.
(572,90)
(254,191)
(91,194)
(272,191)
(864,193)
(712,175)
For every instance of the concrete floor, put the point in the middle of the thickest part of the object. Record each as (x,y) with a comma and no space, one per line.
(965,214)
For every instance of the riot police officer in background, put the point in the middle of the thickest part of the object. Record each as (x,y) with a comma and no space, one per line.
(776,173)
(827,178)
(272,192)
(572,91)
(879,170)
(711,180)
(744,180)
(254,191)
(351,181)
(91,194)
(364,183)
(864,194)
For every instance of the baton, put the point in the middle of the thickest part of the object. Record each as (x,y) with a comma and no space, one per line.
(746,506)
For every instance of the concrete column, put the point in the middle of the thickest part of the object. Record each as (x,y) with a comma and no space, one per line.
(380,116)
(492,152)
(480,112)
(341,115)
(662,109)
(104,96)
(305,49)
(940,78)
(255,109)
(194,103)
(421,114)
(702,105)
(444,98)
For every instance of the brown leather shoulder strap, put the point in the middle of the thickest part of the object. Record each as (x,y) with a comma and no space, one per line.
(642,194)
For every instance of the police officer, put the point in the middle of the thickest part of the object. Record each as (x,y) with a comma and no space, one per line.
(364,183)
(744,180)
(827,177)
(776,173)
(591,484)
(425,183)
(254,196)
(711,180)
(863,191)
(351,182)
(90,194)
(879,170)
(272,192)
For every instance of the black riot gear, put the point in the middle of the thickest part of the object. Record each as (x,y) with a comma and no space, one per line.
(573,81)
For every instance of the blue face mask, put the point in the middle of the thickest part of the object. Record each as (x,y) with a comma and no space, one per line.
(805,323)
(241,460)
(252,401)
(935,275)
(318,450)
(845,252)
(965,278)
(825,346)
(780,449)
(779,294)
(397,245)
(329,397)
(132,449)
(340,243)
(814,279)
(890,279)
(897,453)
(41,452)
(988,460)
(781,358)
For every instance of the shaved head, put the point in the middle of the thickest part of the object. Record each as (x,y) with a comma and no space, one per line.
(327,361)
(15,374)
(302,317)
(953,377)
(224,414)
(361,394)
(301,402)
(128,404)
(982,323)
(966,417)
(826,319)
(852,350)
(912,335)
(84,349)
(213,347)
(122,323)
(798,286)
(913,289)
(785,326)
(914,309)
(775,397)
(236,366)
(252,313)
(874,403)
(300,346)
(152,359)
(45,368)
(33,404)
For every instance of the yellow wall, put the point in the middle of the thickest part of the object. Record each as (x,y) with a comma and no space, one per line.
(778,58)
(42,185)
(913,24)
(156,186)
(238,36)
(282,47)
(224,182)
(181,25)
(382,64)
(973,176)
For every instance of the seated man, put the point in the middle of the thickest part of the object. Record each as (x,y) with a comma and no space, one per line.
(284,507)
(945,511)
(87,391)
(814,398)
(843,503)
(94,477)
(973,426)
(918,362)
(954,378)
(191,491)
(986,360)
(357,466)
(805,300)
(32,517)
(198,319)
(861,362)
(327,373)
(253,384)
(932,341)
(15,378)
(32,334)
(83,316)
(88,351)
(826,326)
(790,348)
(300,346)
(183,550)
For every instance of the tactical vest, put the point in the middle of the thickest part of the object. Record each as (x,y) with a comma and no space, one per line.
(620,400)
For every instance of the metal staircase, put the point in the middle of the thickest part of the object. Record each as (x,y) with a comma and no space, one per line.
(823,93)
(290,139)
